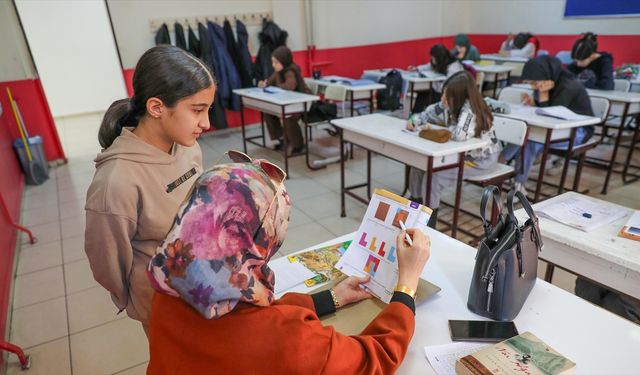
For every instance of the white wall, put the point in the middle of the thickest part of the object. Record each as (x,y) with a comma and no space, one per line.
(74,52)
(15,61)
(539,17)
(354,22)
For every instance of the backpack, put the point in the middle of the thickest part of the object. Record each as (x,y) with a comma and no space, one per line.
(389,97)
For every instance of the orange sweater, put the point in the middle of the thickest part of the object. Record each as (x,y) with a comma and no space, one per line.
(284,338)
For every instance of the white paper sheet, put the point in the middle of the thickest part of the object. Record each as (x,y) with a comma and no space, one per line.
(560,112)
(288,274)
(373,249)
(443,357)
(581,213)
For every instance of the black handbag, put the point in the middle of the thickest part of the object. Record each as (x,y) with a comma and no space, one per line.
(507,260)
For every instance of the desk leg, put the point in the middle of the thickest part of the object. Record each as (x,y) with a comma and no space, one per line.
(371,101)
(407,171)
(548,274)
(411,93)
(567,160)
(244,136)
(368,174)
(509,78)
(343,212)
(264,141)
(427,197)
(627,163)
(285,143)
(495,86)
(351,92)
(430,94)
(543,163)
(351,146)
(456,205)
(612,163)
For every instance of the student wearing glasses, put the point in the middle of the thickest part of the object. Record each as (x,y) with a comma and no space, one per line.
(214,310)
(149,161)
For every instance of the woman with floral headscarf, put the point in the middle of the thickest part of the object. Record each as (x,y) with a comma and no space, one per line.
(215,311)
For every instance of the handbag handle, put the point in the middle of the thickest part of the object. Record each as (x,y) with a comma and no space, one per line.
(529,210)
(494,193)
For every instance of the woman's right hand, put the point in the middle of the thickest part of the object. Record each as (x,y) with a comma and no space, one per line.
(412,68)
(526,99)
(410,125)
(412,258)
(262,84)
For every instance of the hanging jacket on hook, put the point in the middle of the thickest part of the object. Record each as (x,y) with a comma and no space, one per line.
(181,42)
(228,79)
(243,49)
(217,116)
(234,52)
(162,35)
(194,43)
(271,37)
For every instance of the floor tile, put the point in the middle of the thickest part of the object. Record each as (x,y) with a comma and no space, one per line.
(341,225)
(72,227)
(298,218)
(141,369)
(39,200)
(38,286)
(40,215)
(44,233)
(46,359)
(304,188)
(73,249)
(39,323)
(304,236)
(78,276)
(323,205)
(72,209)
(38,257)
(90,308)
(109,348)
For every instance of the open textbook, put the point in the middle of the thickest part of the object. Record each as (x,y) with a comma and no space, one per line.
(373,249)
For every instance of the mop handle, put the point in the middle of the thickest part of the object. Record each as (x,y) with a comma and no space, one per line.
(15,114)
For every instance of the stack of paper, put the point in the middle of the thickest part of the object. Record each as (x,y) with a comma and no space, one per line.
(443,357)
(631,229)
(581,213)
(559,112)
(288,274)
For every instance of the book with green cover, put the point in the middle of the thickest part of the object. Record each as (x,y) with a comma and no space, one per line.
(522,354)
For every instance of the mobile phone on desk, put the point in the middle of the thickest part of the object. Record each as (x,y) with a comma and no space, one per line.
(481,330)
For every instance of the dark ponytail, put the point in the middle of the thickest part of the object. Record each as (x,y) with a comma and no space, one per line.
(521,40)
(164,72)
(585,46)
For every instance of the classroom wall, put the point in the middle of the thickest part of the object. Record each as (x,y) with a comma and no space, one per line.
(70,42)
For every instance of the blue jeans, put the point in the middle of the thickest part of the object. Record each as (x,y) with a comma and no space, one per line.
(532,149)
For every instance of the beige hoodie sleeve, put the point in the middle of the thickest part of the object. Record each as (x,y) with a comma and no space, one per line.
(108,247)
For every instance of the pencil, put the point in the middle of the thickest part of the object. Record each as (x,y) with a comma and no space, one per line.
(406,235)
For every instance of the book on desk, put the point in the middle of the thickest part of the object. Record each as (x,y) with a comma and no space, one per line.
(522,354)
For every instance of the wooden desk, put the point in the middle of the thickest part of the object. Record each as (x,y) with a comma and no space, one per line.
(384,135)
(597,340)
(358,92)
(415,81)
(548,130)
(281,104)
(600,255)
(623,104)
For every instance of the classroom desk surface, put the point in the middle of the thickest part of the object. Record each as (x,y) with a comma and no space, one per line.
(385,135)
(409,76)
(339,81)
(616,96)
(597,340)
(528,115)
(279,98)
(493,69)
(502,59)
(600,255)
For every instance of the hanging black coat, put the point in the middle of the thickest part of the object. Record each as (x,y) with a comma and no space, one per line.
(228,79)
(181,42)
(194,43)
(271,37)
(243,49)
(162,35)
(217,117)
(232,47)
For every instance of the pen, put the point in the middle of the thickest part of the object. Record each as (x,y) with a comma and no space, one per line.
(406,235)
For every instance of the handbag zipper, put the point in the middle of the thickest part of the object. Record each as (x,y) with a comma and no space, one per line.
(492,278)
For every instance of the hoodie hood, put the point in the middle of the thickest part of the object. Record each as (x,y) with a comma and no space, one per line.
(131,148)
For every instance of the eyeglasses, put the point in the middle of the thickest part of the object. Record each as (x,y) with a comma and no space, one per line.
(275,173)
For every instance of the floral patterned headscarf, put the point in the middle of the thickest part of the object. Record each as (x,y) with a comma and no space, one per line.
(225,232)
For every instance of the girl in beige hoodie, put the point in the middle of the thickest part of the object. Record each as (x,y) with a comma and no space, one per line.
(149,162)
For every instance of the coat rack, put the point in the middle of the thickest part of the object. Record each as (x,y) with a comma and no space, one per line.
(249,19)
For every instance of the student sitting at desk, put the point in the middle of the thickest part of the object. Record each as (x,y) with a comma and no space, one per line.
(552,86)
(214,310)
(594,69)
(464,112)
(463,49)
(522,45)
(441,62)
(287,76)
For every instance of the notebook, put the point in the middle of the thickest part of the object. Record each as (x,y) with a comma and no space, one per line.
(580,212)
(559,112)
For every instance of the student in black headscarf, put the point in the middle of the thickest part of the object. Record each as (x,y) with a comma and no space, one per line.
(552,86)
(594,69)
(287,76)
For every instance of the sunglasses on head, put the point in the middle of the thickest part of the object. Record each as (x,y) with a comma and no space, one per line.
(274,172)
